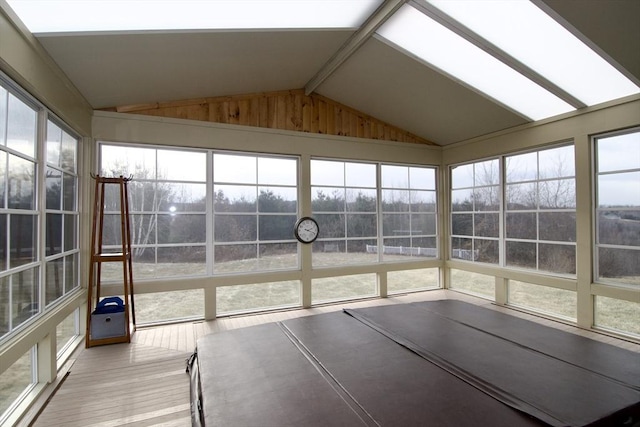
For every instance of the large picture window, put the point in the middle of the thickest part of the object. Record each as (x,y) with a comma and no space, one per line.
(167,203)
(255,208)
(618,208)
(475,211)
(345,204)
(540,215)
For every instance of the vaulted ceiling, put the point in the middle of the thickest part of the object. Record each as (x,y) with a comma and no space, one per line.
(126,68)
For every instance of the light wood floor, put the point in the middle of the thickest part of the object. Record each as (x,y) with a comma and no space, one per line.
(144,383)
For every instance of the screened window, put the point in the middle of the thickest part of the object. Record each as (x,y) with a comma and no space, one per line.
(167,205)
(475,211)
(255,209)
(408,212)
(61,212)
(19,239)
(617,212)
(345,203)
(540,210)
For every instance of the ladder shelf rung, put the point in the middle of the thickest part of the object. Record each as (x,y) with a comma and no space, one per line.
(110,257)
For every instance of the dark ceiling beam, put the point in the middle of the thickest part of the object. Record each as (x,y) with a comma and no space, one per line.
(379,17)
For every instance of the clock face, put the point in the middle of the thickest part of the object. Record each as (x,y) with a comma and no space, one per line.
(306,230)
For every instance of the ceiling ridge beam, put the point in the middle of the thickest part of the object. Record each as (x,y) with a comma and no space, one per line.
(379,17)
(480,42)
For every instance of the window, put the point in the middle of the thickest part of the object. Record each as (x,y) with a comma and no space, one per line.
(167,203)
(16,381)
(345,203)
(38,264)
(19,239)
(255,209)
(540,216)
(475,211)
(617,213)
(408,212)
(61,213)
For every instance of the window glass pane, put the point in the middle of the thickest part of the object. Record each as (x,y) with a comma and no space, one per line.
(22,239)
(395,176)
(54,234)
(273,171)
(422,224)
(54,189)
(619,227)
(462,224)
(620,152)
(4,95)
(557,194)
(324,172)
(120,160)
(54,143)
(557,302)
(15,380)
(396,200)
(330,252)
(521,254)
(462,176)
(144,260)
(331,225)
(68,156)
(486,173)
(423,201)
(277,199)
(619,190)
(558,226)
(474,283)
(166,306)
(235,258)
(362,225)
(619,265)
(71,272)
(328,199)
(24,296)
(260,296)
(522,167)
(4,253)
(22,183)
(559,259)
(179,261)
(278,256)
(360,175)
(55,280)
(521,226)
(411,280)
(276,227)
(361,200)
(522,196)
(486,199)
(69,192)
(422,178)
(174,165)
(343,288)
(3,178)
(486,250)
(618,315)
(462,200)
(236,169)
(486,225)
(396,224)
(176,228)
(21,127)
(182,197)
(463,249)
(144,196)
(66,331)
(557,162)
(70,232)
(235,228)
(234,198)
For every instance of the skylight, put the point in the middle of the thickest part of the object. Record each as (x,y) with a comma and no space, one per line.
(54,16)
(431,42)
(529,35)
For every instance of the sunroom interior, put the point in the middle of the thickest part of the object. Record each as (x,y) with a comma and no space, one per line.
(490,149)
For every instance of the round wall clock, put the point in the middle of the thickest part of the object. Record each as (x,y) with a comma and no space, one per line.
(306,230)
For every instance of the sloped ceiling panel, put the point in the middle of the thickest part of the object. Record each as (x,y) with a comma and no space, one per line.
(125,69)
(384,83)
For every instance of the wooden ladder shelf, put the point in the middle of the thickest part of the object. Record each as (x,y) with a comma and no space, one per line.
(115,327)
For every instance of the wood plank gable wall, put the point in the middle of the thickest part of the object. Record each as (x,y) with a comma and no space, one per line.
(285,110)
